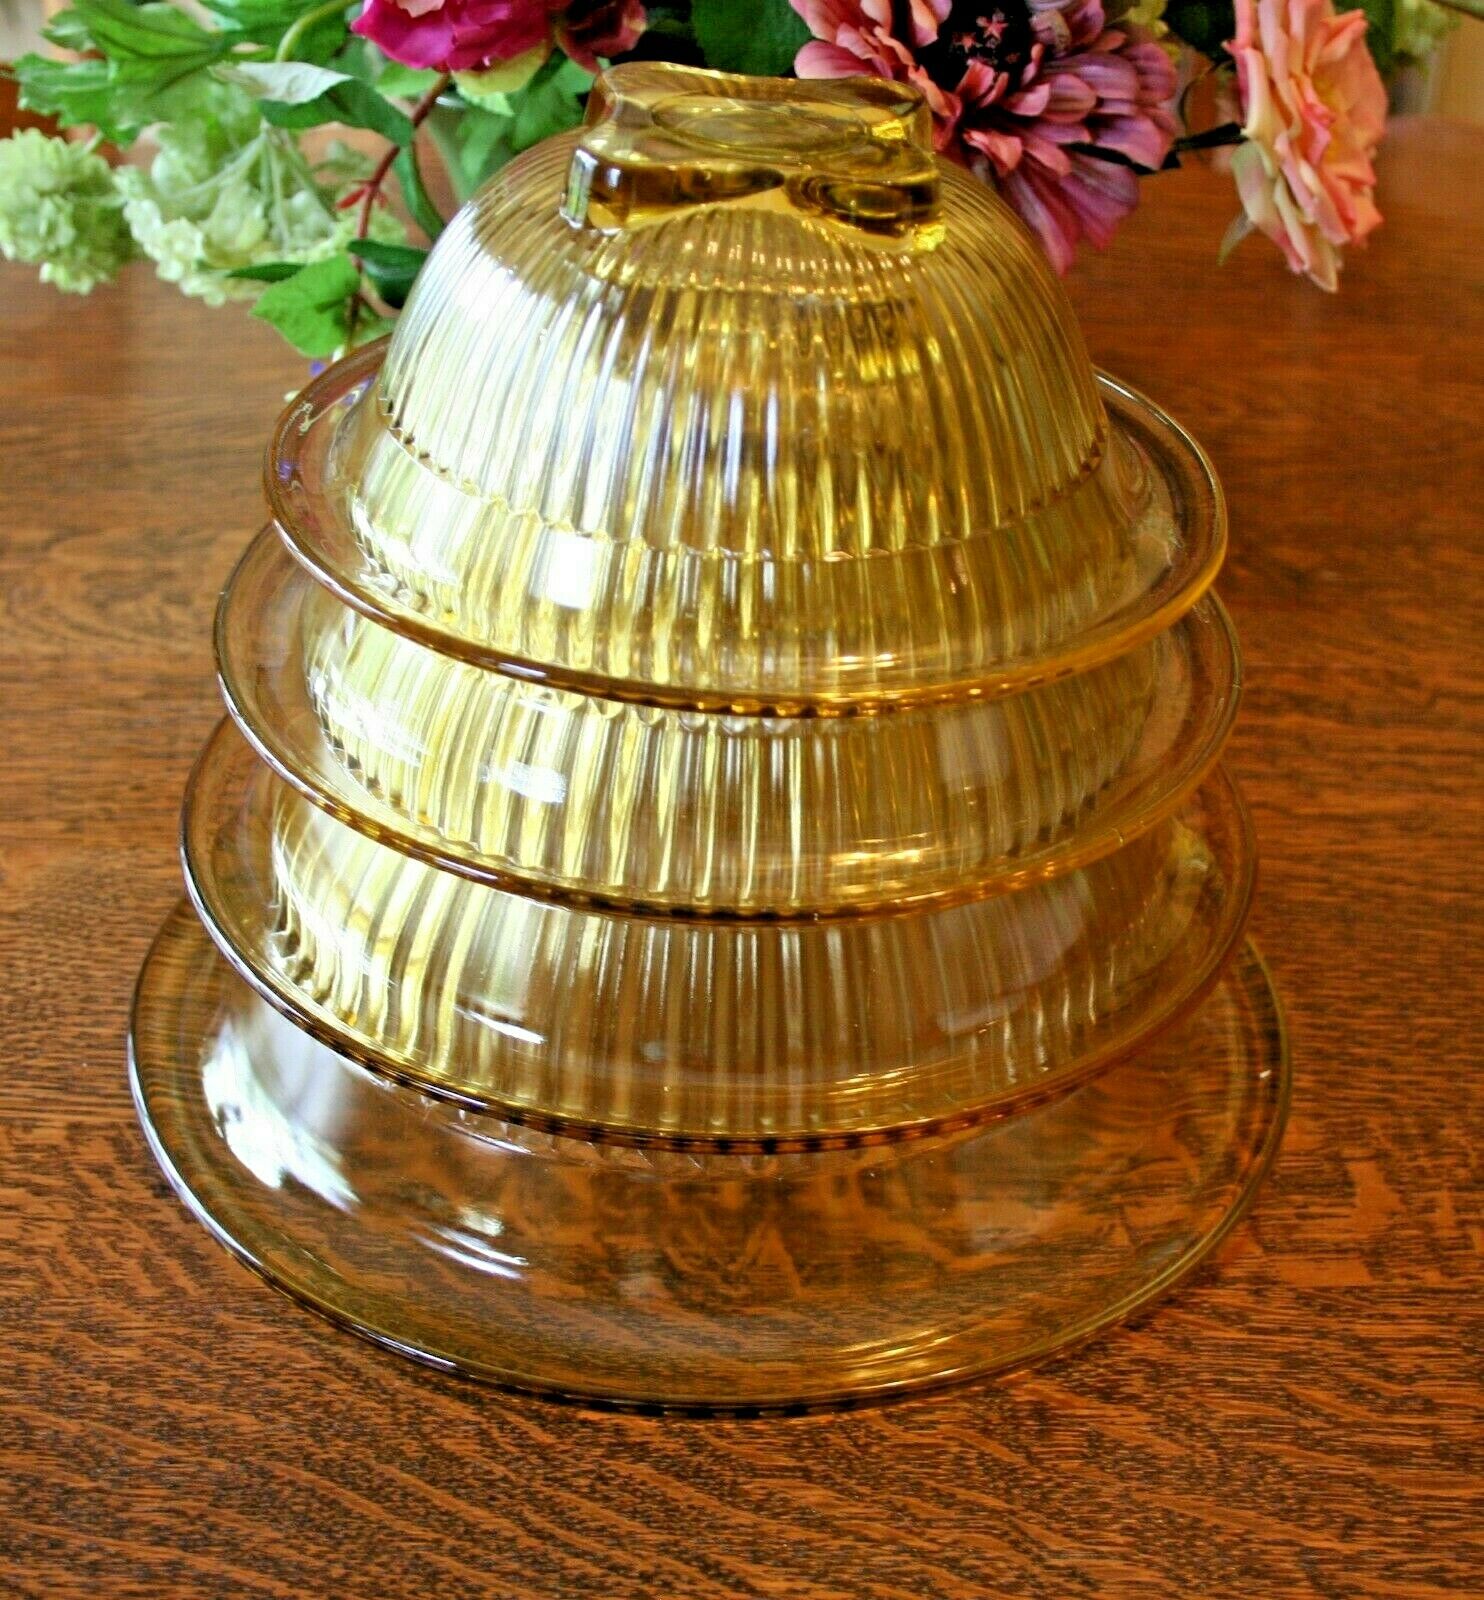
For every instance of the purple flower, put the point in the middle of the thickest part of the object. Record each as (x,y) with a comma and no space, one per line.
(1034,96)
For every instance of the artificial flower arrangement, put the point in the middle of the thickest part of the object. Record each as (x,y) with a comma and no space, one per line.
(1063,106)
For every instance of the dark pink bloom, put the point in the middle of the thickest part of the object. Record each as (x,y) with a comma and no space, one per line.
(464,35)
(1031,95)
(593,28)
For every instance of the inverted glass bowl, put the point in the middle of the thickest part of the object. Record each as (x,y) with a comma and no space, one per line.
(718,888)
(1122,555)
(772,414)
(667,1030)
(682,1280)
(605,803)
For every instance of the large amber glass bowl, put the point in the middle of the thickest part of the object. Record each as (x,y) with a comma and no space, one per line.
(669,1030)
(701,1281)
(717,888)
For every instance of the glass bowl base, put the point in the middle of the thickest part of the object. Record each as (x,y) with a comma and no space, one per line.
(660,1279)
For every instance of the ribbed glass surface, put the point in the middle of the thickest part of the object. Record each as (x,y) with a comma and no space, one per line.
(672,1030)
(751,455)
(721,818)
(606,802)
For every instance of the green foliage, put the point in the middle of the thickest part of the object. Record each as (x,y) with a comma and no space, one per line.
(267,272)
(153,57)
(59,211)
(265,22)
(391,267)
(551,103)
(414,195)
(143,42)
(311,308)
(1205,25)
(487,135)
(408,83)
(76,93)
(762,36)
(1420,27)
(296,94)
(227,192)
(229,207)
(1380,33)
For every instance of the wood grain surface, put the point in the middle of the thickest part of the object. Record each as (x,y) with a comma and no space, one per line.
(1302,1418)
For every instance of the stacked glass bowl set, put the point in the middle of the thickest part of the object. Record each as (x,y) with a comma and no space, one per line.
(716,890)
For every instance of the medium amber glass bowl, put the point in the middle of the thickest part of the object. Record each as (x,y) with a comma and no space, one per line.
(604,803)
(666,1030)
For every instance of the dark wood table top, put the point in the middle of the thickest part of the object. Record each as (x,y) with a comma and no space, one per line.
(1302,1417)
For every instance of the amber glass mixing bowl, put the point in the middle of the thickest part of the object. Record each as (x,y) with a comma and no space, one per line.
(719,885)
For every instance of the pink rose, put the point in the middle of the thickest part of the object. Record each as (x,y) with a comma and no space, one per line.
(465,35)
(1314,110)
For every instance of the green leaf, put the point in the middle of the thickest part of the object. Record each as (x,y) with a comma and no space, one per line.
(762,38)
(484,139)
(349,102)
(391,257)
(492,86)
(481,145)
(407,83)
(393,268)
(1380,33)
(478,93)
(68,30)
(551,103)
(266,21)
(154,58)
(268,271)
(143,40)
(310,308)
(1206,26)
(245,14)
(415,196)
(74,92)
(298,94)
(294,83)
(668,22)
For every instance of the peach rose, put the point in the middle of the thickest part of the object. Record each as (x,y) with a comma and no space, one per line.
(1313,109)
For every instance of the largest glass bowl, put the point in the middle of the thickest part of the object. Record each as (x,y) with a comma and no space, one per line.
(727,898)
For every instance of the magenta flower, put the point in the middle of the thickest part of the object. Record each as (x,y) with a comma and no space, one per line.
(1033,96)
(465,35)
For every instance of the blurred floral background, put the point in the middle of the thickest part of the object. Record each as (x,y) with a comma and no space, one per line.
(300,156)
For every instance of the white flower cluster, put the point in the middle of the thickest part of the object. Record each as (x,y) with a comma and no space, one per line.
(227,191)
(59,210)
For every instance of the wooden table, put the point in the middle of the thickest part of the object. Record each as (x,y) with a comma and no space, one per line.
(1303,1417)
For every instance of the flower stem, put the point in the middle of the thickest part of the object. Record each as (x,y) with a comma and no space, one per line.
(301,25)
(417,116)
(1212,138)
